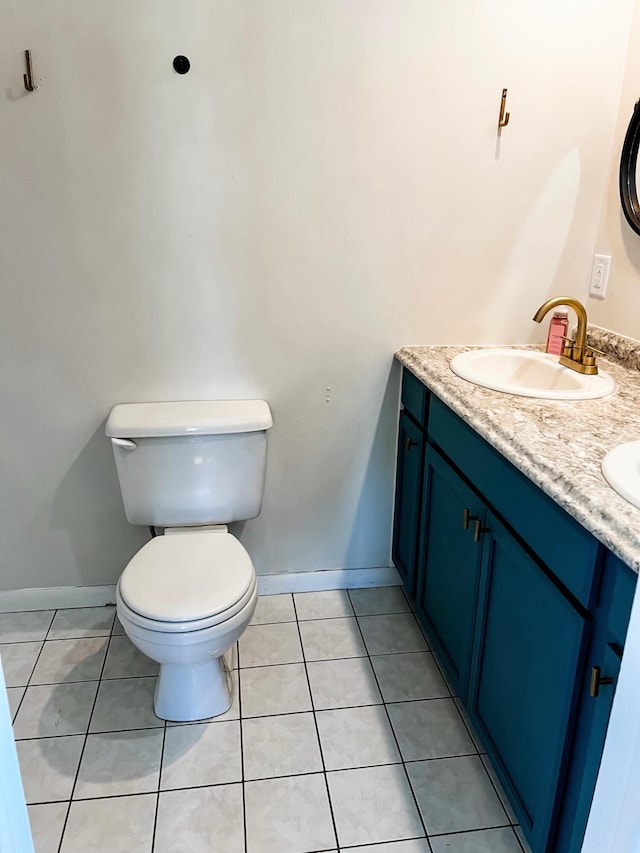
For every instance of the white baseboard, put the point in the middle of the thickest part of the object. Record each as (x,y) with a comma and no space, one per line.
(62,597)
(57,597)
(327,579)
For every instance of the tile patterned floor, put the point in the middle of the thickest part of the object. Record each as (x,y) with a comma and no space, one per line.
(343,735)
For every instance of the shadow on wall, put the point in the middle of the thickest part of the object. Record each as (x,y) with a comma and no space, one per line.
(374,507)
(87,506)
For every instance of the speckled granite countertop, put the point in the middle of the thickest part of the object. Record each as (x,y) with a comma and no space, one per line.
(559,445)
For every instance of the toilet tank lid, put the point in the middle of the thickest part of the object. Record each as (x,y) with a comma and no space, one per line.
(188,417)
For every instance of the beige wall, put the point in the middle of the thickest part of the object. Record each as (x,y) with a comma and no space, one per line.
(325,186)
(620,311)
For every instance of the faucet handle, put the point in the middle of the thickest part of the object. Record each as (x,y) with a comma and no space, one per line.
(569,344)
(593,350)
(590,354)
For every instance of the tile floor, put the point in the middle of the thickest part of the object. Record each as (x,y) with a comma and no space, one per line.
(343,735)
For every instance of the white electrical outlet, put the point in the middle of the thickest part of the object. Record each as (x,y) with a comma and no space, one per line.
(599,276)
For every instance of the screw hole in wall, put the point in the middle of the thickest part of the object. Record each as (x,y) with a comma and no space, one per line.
(181,64)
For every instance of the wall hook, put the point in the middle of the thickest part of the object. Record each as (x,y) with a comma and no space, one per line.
(503,120)
(28,77)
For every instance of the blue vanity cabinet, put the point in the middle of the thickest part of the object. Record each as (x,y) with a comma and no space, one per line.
(520,603)
(509,637)
(450,562)
(528,651)
(409,479)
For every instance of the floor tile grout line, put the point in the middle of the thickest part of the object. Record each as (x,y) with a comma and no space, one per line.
(393,732)
(55,613)
(315,722)
(84,746)
(33,669)
(469,831)
(26,687)
(319,772)
(29,684)
(88,680)
(179,788)
(242,774)
(349,657)
(75,639)
(53,616)
(342,616)
(161,790)
(40,610)
(441,757)
(155,819)
(379,844)
(15,713)
(80,734)
(342,707)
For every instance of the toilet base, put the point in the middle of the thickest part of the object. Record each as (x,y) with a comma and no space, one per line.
(189,692)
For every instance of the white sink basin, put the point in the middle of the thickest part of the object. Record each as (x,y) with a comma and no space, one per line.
(621,469)
(529,373)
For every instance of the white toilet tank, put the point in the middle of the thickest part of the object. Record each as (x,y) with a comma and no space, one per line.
(192,462)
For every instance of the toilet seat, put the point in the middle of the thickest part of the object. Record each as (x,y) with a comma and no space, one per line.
(187,582)
(220,619)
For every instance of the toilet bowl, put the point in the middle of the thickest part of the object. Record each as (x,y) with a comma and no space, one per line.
(184,600)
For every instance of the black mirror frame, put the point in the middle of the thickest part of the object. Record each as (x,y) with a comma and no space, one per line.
(628,161)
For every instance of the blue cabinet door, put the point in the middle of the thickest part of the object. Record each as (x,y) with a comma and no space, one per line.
(449,566)
(611,619)
(525,678)
(411,442)
(587,750)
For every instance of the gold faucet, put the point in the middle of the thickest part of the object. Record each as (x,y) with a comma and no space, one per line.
(577,355)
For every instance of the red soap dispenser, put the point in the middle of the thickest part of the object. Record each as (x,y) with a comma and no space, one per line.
(557,330)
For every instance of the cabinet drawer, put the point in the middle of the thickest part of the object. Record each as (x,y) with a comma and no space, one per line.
(557,539)
(415,397)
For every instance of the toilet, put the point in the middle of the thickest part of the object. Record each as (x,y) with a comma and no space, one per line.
(187,596)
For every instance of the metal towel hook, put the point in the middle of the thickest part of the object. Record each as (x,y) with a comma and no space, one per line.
(28,77)
(503,120)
